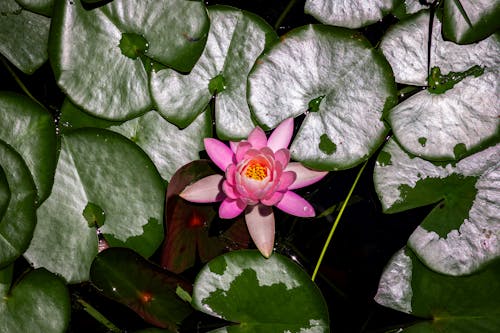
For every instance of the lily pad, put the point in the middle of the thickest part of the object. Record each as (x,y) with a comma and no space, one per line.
(349,13)
(353,80)
(19,218)
(467,21)
(39,302)
(29,128)
(97,70)
(236,38)
(261,295)
(446,303)
(43,7)
(23,36)
(406,8)
(126,277)
(462,232)
(104,169)
(4,193)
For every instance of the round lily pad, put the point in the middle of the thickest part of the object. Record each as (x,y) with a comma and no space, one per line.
(23,36)
(102,69)
(338,80)
(29,128)
(462,233)
(19,219)
(261,295)
(102,170)
(39,302)
(349,13)
(236,38)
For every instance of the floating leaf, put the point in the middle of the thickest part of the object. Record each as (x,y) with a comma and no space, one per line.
(94,69)
(261,295)
(446,304)
(123,275)
(39,302)
(19,219)
(4,193)
(349,13)
(408,7)
(105,169)
(467,21)
(191,230)
(462,232)
(23,36)
(356,84)
(43,7)
(29,129)
(235,40)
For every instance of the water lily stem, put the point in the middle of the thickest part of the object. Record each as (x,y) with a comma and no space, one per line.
(334,226)
(284,14)
(18,81)
(98,316)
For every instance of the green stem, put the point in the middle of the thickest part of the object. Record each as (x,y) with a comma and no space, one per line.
(334,226)
(98,316)
(284,14)
(18,81)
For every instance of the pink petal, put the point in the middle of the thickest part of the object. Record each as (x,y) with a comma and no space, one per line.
(241,150)
(273,200)
(281,136)
(205,190)
(234,145)
(260,224)
(287,178)
(257,138)
(282,156)
(230,191)
(229,208)
(219,153)
(305,176)
(230,173)
(294,204)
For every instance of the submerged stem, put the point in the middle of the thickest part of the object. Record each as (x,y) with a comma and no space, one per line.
(334,226)
(18,81)
(98,316)
(284,14)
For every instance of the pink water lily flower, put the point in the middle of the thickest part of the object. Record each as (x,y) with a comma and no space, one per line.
(258,175)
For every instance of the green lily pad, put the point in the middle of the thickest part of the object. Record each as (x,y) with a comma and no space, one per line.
(19,219)
(467,21)
(126,277)
(4,193)
(462,232)
(168,146)
(23,36)
(236,38)
(261,295)
(446,303)
(43,7)
(406,8)
(355,84)
(29,129)
(104,169)
(349,13)
(97,70)
(39,302)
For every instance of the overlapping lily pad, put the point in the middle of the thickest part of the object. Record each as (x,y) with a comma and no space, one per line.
(29,129)
(235,40)
(349,13)
(4,193)
(467,21)
(23,36)
(340,82)
(102,68)
(458,113)
(39,302)
(43,7)
(19,218)
(462,232)
(445,303)
(261,295)
(102,169)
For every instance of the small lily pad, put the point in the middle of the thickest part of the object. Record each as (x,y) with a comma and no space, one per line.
(260,295)
(24,36)
(349,13)
(355,84)
(444,303)
(236,38)
(462,233)
(39,302)
(103,168)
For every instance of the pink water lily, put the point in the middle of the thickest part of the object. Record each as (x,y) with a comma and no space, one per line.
(258,175)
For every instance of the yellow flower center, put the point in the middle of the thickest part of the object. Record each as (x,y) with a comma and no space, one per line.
(256,170)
